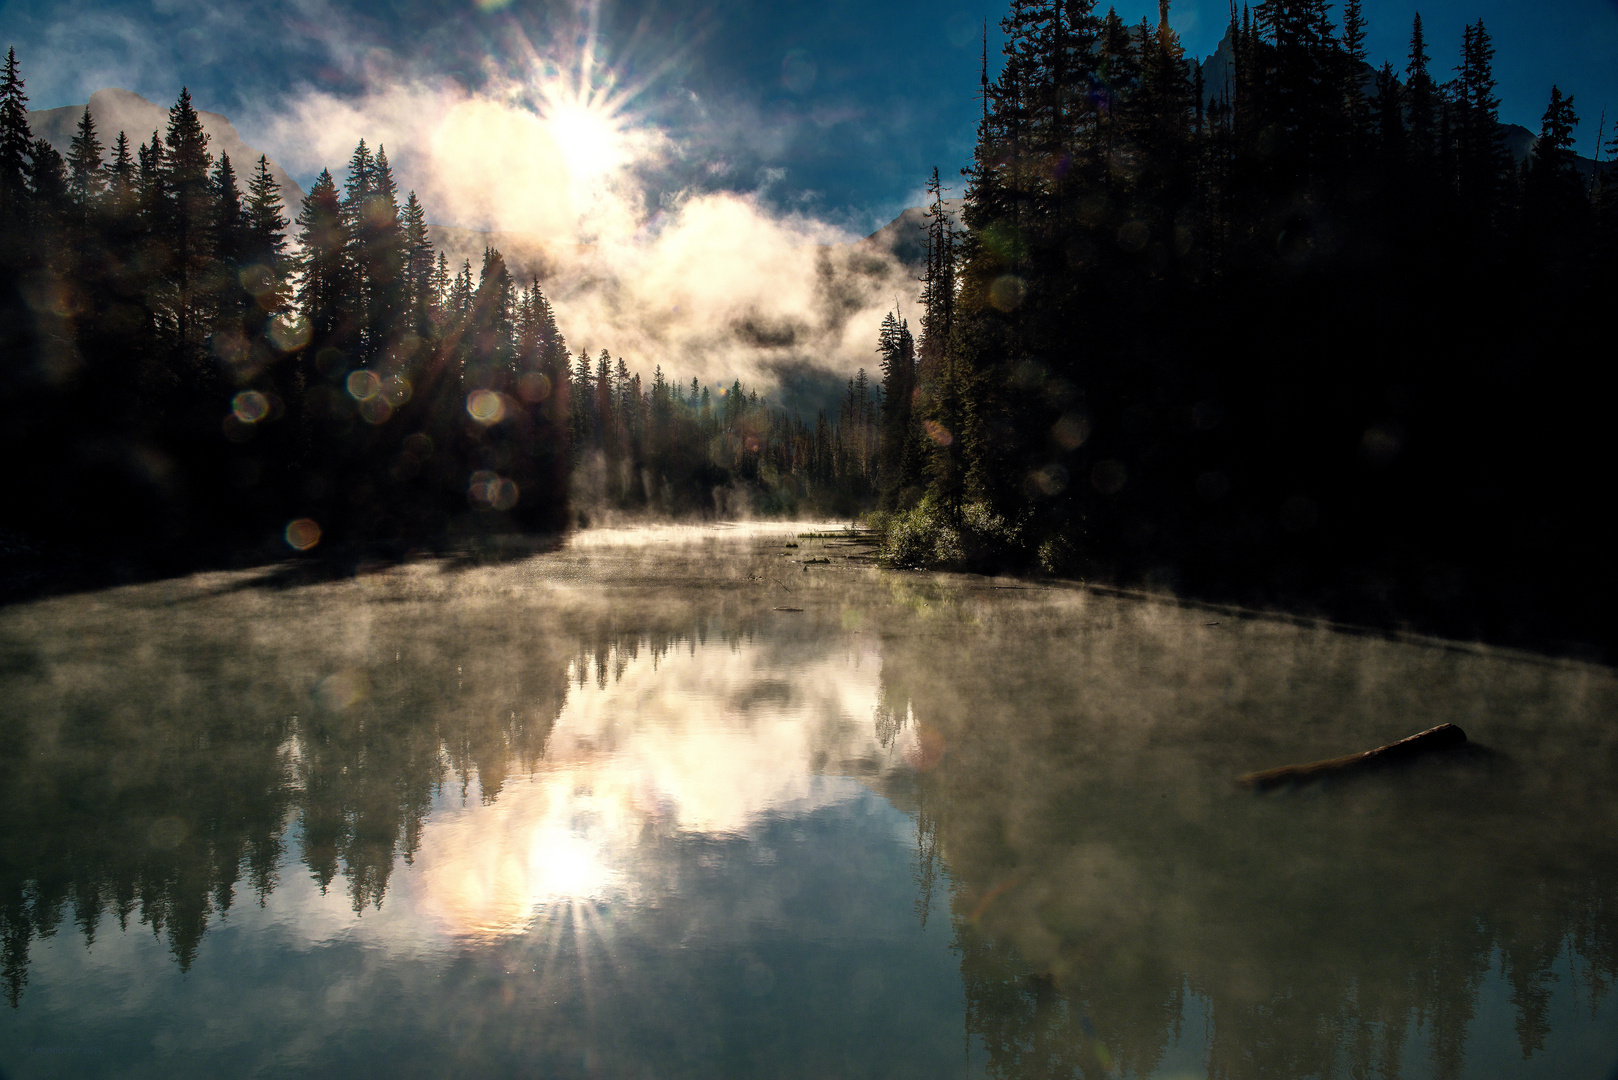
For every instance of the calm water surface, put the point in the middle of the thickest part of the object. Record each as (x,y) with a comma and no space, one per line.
(670,803)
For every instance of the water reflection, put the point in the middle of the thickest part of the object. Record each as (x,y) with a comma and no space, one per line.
(611,810)
(1114,890)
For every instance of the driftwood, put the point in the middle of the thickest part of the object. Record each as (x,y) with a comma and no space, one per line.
(1441,737)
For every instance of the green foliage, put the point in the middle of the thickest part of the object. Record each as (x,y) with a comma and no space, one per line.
(928,536)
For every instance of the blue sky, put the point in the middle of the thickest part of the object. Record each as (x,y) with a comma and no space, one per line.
(836,108)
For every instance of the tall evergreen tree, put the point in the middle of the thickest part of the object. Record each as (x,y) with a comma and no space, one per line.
(86,177)
(1554,194)
(1421,96)
(1352,78)
(323,291)
(420,293)
(16,143)
(898,467)
(188,227)
(1481,157)
(266,225)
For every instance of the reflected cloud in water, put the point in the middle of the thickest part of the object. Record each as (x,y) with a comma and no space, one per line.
(611,808)
(679,742)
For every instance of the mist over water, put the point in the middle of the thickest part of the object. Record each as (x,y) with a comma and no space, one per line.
(680,801)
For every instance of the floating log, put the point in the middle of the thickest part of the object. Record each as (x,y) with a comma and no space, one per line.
(1441,737)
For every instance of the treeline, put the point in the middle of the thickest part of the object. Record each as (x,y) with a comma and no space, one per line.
(1309,334)
(194,375)
(186,370)
(684,450)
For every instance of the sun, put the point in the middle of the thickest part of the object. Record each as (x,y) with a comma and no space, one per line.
(588,131)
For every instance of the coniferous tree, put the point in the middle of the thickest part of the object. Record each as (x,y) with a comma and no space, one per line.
(188,227)
(1421,97)
(1352,77)
(419,268)
(358,238)
(323,291)
(266,241)
(231,224)
(899,466)
(1556,205)
(16,143)
(120,178)
(48,183)
(1388,116)
(387,252)
(1481,157)
(86,178)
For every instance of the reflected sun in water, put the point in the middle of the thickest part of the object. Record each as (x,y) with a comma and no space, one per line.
(683,744)
(545,845)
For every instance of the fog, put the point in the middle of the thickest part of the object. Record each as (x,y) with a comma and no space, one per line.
(705,278)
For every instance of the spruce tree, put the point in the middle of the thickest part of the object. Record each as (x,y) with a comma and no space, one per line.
(386,252)
(1352,78)
(897,468)
(231,224)
(266,226)
(188,226)
(323,290)
(418,268)
(1421,97)
(120,176)
(357,238)
(1554,192)
(16,144)
(86,177)
(1481,157)
(50,196)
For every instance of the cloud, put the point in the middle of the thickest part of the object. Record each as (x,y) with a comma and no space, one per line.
(570,184)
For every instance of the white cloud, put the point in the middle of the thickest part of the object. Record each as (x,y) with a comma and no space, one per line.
(713,284)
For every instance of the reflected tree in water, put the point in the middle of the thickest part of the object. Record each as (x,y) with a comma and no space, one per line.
(1110,882)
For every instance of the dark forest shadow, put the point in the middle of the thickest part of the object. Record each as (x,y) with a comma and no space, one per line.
(1571,627)
(27,572)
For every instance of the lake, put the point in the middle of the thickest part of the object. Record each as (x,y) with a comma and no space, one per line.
(689,802)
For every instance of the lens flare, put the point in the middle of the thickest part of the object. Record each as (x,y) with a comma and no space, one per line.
(363,385)
(486,406)
(250,406)
(302,534)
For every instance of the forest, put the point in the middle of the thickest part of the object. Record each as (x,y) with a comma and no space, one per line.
(1311,337)
(201,380)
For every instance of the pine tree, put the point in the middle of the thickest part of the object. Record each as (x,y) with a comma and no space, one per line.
(266,245)
(323,290)
(86,178)
(386,252)
(460,291)
(1352,78)
(236,314)
(897,468)
(120,177)
(1388,115)
(1481,157)
(442,283)
(358,234)
(1554,191)
(16,144)
(1421,97)
(48,184)
(188,227)
(939,277)
(230,219)
(418,268)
